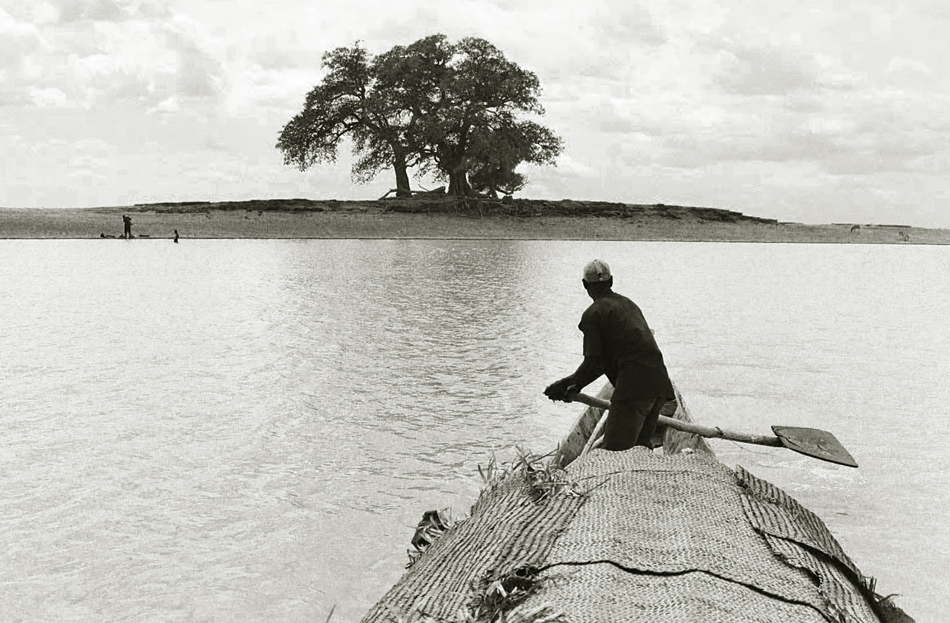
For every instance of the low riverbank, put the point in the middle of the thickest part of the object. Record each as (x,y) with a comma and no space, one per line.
(441,218)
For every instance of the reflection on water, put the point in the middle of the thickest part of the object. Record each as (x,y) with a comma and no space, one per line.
(250,429)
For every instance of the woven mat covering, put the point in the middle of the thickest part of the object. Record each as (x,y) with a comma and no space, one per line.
(602,593)
(844,597)
(506,530)
(774,512)
(670,515)
(656,538)
(800,538)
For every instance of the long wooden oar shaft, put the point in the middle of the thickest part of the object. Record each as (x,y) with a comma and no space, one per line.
(713,432)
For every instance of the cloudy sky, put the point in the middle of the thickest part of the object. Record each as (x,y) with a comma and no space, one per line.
(803,110)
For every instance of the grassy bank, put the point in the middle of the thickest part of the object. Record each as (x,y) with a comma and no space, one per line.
(438,217)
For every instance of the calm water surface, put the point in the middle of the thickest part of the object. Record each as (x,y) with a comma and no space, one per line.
(249,430)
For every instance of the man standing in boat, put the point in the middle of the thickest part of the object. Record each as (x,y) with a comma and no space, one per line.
(619,343)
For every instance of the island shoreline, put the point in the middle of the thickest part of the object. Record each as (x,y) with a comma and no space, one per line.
(440,218)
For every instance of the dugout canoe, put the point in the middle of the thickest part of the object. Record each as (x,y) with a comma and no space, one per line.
(671,537)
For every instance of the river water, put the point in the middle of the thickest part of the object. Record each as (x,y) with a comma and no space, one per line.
(249,430)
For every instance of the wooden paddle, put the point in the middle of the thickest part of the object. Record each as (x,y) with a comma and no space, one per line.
(812,442)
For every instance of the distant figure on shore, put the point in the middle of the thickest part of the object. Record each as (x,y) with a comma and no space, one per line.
(176,236)
(127,226)
(855,228)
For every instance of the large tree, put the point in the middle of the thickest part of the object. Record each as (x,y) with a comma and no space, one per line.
(472,126)
(448,109)
(498,149)
(348,103)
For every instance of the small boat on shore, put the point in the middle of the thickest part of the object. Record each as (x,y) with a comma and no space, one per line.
(590,535)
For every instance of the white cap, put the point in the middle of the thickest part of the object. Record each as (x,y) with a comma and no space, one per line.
(596,271)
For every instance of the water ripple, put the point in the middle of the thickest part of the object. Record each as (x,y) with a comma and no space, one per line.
(249,430)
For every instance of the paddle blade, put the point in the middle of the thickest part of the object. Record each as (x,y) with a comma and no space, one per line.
(814,442)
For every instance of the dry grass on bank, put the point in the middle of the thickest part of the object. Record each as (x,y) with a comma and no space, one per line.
(442,219)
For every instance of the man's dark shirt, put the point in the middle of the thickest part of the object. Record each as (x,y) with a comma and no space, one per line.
(616,333)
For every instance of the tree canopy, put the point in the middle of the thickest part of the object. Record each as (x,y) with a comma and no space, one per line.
(450,110)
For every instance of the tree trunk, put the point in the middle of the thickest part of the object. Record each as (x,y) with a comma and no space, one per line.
(458,180)
(402,175)
(493,185)
(458,185)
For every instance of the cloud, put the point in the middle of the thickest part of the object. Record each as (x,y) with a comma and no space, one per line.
(604,40)
(836,142)
(167,105)
(274,52)
(719,91)
(49,97)
(567,165)
(17,39)
(904,65)
(629,23)
(282,61)
(80,10)
(756,71)
(101,52)
(700,102)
